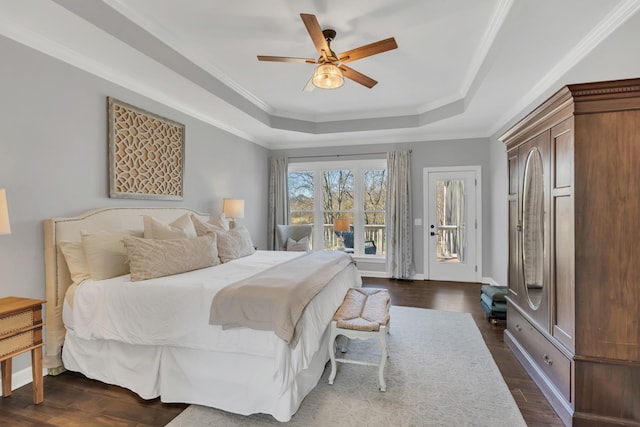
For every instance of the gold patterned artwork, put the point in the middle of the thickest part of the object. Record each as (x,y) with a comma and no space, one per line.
(146,154)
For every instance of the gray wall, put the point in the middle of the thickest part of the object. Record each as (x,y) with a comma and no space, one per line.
(53,157)
(53,160)
(468,152)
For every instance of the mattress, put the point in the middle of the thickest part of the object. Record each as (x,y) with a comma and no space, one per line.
(154,338)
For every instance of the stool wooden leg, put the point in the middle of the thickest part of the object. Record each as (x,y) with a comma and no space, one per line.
(383,358)
(332,351)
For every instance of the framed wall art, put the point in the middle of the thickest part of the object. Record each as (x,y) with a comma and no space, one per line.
(146,154)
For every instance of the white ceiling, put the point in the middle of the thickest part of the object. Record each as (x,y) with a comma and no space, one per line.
(463,68)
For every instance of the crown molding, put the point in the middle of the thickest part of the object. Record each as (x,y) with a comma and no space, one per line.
(614,19)
(172,40)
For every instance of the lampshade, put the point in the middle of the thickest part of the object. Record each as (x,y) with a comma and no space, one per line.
(327,76)
(233,208)
(341,224)
(5,226)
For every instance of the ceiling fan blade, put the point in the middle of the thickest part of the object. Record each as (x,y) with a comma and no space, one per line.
(286,59)
(315,32)
(309,86)
(357,77)
(368,50)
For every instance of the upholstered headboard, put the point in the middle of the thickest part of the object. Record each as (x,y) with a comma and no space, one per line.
(57,277)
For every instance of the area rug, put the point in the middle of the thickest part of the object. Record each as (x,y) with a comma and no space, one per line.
(439,373)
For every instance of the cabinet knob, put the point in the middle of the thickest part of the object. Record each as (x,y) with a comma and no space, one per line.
(547,360)
(518,327)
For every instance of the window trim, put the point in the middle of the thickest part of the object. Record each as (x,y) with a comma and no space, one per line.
(358,166)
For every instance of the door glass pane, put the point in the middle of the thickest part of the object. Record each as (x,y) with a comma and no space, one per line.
(337,201)
(450,221)
(375,192)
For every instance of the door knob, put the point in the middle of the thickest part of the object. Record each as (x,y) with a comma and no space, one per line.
(433,234)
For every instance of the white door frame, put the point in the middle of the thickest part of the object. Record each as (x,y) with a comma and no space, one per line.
(425,214)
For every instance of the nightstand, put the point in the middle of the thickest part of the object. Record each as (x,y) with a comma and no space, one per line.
(21,331)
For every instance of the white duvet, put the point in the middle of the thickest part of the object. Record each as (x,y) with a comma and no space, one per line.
(174,311)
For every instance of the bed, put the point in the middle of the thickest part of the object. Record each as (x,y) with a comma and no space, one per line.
(154,337)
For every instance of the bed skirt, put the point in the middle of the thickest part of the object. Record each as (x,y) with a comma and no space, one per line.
(180,375)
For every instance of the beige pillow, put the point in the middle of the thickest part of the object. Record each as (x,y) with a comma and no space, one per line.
(76,261)
(203,228)
(219,221)
(105,253)
(181,228)
(150,258)
(234,244)
(300,245)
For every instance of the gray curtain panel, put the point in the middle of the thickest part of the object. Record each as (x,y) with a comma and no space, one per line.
(278,197)
(399,217)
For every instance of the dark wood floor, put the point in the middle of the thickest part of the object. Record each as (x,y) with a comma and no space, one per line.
(73,400)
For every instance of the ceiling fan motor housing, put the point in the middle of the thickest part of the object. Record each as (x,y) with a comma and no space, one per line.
(331,69)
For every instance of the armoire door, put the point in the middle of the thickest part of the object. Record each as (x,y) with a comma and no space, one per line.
(562,208)
(534,204)
(514,226)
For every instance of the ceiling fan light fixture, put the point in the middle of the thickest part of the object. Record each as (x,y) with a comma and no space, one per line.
(327,76)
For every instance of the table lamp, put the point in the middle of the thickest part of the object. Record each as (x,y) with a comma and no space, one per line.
(340,225)
(233,209)
(5,226)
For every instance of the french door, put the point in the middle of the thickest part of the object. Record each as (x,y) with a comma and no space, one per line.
(452,228)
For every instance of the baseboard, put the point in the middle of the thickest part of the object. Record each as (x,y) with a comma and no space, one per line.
(491,281)
(22,378)
(385,275)
(378,274)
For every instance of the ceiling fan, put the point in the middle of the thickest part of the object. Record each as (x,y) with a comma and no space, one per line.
(331,68)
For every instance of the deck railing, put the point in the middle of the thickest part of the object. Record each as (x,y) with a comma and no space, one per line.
(375,233)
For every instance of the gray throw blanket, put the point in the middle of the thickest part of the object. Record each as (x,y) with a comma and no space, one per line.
(275,299)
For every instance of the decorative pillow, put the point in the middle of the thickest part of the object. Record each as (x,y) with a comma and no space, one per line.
(219,221)
(76,261)
(105,253)
(203,228)
(181,228)
(234,244)
(300,245)
(150,258)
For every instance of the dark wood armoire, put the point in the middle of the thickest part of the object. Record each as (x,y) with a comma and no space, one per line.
(573,316)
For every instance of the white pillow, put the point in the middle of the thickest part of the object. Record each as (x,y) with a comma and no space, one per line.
(181,228)
(219,221)
(105,253)
(234,244)
(76,261)
(203,228)
(300,245)
(150,258)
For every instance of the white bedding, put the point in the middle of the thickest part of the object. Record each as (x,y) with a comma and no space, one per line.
(171,310)
(167,320)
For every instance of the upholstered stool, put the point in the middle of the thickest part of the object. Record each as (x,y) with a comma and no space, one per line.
(364,314)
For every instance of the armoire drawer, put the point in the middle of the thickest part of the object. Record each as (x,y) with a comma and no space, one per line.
(551,361)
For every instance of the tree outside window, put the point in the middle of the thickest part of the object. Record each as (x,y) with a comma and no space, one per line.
(301,197)
(356,190)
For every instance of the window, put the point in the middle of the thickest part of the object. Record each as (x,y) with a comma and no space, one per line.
(320,192)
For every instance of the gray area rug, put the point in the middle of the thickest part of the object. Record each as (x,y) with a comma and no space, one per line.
(439,373)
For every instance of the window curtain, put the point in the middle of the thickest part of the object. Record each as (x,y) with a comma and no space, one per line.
(399,216)
(278,197)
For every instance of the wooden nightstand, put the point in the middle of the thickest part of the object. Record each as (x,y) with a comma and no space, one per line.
(21,331)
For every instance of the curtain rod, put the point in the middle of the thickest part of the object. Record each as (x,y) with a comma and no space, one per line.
(338,155)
